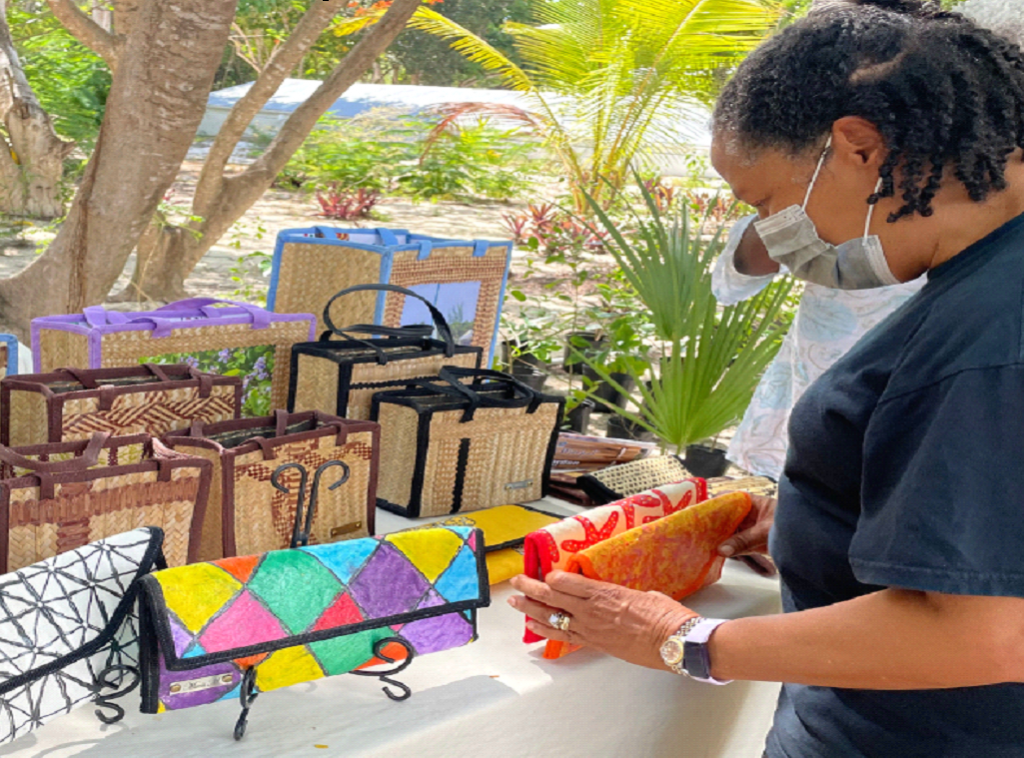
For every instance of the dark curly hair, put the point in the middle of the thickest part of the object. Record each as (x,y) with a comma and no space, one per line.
(944,93)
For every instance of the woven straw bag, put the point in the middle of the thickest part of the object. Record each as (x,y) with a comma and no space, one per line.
(63,503)
(754,485)
(465,279)
(341,376)
(8,355)
(198,327)
(73,404)
(267,492)
(618,482)
(454,447)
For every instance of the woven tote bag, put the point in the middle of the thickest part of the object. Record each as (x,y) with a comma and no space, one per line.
(8,355)
(285,480)
(73,404)
(62,505)
(464,279)
(452,447)
(341,376)
(624,480)
(69,631)
(216,336)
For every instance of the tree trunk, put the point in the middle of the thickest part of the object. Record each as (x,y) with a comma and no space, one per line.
(33,160)
(157,99)
(221,200)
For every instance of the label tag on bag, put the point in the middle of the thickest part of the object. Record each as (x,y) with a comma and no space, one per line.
(355,526)
(198,685)
(526,483)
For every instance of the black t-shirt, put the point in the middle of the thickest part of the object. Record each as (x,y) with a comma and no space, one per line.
(906,469)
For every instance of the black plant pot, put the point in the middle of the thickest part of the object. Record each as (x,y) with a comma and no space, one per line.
(705,462)
(578,419)
(528,358)
(624,429)
(606,397)
(533,378)
(584,343)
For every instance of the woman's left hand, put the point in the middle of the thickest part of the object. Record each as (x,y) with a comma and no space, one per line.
(626,623)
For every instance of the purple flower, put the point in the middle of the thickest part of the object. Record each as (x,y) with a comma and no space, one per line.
(224,355)
(259,369)
(192,361)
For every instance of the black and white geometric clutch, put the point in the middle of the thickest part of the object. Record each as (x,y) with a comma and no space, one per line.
(69,630)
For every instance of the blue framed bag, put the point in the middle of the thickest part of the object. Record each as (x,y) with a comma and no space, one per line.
(8,355)
(464,279)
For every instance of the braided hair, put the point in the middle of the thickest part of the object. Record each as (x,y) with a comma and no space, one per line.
(944,93)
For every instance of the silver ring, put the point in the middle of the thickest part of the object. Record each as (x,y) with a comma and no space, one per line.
(560,621)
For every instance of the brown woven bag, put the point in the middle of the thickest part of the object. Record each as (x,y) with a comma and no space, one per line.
(454,447)
(74,404)
(284,480)
(71,497)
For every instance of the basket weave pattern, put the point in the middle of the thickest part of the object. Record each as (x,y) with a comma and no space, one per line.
(85,512)
(310,275)
(28,414)
(398,441)
(508,446)
(3,360)
(147,412)
(117,455)
(128,348)
(370,378)
(265,517)
(645,474)
(448,265)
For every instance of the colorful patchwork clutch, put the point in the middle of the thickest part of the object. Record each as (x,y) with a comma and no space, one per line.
(550,548)
(505,528)
(241,626)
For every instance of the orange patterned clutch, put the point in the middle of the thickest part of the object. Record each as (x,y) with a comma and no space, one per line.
(676,555)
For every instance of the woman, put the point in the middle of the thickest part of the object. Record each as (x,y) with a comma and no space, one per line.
(899,532)
(829,321)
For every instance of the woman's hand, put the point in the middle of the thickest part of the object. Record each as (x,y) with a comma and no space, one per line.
(752,534)
(625,623)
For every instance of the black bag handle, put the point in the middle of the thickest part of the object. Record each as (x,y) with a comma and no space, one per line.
(411,332)
(451,375)
(439,321)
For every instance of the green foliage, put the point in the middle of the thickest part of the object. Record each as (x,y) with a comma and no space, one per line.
(254,364)
(255,265)
(70,81)
(426,59)
(623,71)
(400,155)
(710,358)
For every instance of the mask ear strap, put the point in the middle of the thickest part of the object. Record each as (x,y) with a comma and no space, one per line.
(871,209)
(817,171)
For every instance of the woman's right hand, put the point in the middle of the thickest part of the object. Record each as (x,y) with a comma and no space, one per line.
(752,534)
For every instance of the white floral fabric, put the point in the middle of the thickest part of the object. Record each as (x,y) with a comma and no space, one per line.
(828,323)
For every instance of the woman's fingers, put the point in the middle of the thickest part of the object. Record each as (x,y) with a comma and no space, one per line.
(546,594)
(753,540)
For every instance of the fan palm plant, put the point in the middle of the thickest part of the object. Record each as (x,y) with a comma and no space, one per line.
(610,81)
(711,357)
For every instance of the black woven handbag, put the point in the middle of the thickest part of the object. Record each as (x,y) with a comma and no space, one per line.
(340,376)
(449,446)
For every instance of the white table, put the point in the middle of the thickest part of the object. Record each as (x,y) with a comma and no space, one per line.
(496,697)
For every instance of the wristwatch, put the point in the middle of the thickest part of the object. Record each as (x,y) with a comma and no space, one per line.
(686,651)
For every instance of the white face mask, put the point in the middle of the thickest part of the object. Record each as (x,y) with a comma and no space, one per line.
(792,240)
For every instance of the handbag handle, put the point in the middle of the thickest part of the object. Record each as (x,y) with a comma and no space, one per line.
(439,321)
(88,381)
(451,375)
(89,458)
(413,332)
(97,315)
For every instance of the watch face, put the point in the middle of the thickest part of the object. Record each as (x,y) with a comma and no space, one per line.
(672,651)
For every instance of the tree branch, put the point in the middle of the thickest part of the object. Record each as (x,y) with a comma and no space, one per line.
(281,64)
(87,31)
(125,12)
(251,183)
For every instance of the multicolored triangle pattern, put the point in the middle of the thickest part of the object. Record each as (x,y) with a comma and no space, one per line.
(238,604)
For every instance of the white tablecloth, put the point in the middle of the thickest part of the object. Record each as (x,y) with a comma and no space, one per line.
(496,697)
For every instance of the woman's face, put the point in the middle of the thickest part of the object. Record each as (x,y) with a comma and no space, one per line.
(771,180)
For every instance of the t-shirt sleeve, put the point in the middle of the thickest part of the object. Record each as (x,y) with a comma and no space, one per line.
(942,498)
(728,285)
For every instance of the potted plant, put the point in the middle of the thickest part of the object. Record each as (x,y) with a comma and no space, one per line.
(708,359)
(578,408)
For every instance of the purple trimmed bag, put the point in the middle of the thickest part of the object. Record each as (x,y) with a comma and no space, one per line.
(215,336)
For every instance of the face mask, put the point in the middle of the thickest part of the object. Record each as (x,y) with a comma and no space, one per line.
(792,240)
